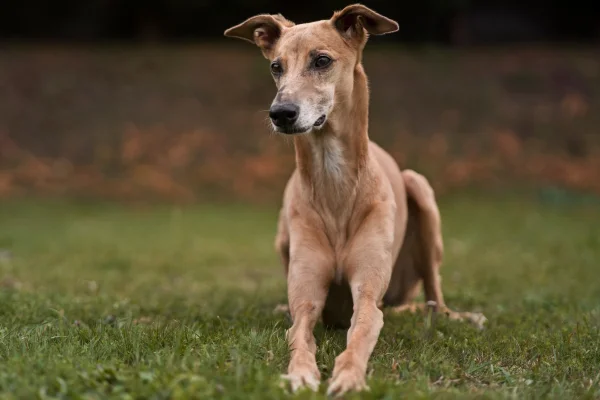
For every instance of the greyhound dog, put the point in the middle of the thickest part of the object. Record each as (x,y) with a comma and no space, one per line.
(355,233)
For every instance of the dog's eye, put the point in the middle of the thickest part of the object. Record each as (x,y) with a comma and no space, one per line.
(322,62)
(276,68)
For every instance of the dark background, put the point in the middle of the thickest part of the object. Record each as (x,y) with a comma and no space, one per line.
(451,22)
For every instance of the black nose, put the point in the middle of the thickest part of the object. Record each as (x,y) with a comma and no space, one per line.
(284,114)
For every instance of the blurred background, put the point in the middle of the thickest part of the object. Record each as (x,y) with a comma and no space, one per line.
(139,185)
(126,100)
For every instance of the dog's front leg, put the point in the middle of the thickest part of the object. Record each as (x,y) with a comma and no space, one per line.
(368,267)
(309,276)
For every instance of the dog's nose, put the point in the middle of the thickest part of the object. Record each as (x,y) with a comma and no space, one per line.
(284,114)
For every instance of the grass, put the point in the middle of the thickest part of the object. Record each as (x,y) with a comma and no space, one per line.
(109,301)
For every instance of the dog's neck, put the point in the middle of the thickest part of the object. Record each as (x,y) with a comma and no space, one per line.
(331,160)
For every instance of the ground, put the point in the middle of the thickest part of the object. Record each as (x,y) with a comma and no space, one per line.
(152,302)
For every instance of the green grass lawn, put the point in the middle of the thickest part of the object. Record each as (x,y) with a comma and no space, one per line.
(108,301)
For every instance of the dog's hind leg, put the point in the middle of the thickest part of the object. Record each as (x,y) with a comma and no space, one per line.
(425,249)
(405,283)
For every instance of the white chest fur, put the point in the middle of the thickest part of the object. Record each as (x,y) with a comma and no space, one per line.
(329,158)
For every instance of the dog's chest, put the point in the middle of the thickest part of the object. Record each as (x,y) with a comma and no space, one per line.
(329,162)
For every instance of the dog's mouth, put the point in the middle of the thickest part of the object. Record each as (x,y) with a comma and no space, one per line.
(319,122)
(292,130)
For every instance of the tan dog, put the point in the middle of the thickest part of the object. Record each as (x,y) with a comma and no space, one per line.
(354,232)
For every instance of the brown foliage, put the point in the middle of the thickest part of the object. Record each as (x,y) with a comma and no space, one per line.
(166,124)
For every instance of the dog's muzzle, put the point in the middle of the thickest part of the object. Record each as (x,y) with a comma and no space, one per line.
(284,115)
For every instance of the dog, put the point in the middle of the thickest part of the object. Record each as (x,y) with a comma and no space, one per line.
(355,233)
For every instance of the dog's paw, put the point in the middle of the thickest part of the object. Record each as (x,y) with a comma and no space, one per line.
(347,376)
(302,379)
(303,372)
(476,319)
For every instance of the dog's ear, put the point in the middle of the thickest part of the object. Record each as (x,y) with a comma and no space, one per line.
(263,29)
(353,20)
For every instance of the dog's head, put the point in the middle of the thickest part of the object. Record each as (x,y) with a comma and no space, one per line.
(312,64)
